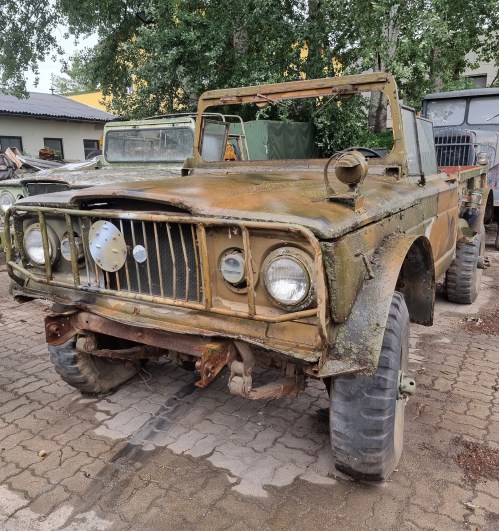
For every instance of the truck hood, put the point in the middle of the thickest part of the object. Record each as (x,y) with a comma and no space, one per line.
(288,199)
(97,175)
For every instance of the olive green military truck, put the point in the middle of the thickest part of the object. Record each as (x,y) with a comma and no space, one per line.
(312,267)
(133,150)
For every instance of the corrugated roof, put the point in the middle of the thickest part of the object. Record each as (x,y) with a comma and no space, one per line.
(51,106)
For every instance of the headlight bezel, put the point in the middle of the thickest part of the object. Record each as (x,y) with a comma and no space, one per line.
(54,246)
(79,247)
(10,195)
(305,262)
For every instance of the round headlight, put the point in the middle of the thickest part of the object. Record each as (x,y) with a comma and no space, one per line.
(482,158)
(232,267)
(6,201)
(66,248)
(288,275)
(33,244)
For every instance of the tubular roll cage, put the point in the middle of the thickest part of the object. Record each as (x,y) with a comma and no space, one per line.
(202,224)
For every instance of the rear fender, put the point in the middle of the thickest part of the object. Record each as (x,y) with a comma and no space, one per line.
(402,263)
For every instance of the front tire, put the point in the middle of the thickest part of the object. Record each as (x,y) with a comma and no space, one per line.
(87,373)
(463,278)
(367,412)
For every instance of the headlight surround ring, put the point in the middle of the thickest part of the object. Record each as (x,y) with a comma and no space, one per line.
(6,200)
(66,247)
(289,278)
(33,245)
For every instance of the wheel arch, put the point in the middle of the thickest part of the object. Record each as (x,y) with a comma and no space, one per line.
(416,281)
(401,263)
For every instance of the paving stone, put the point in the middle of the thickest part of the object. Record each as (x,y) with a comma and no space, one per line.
(30,484)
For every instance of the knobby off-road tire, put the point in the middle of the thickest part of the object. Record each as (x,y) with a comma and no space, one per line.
(87,373)
(463,277)
(367,412)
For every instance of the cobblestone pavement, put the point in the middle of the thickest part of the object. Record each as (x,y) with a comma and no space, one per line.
(161,454)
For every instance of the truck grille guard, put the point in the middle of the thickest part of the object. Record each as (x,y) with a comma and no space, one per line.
(459,147)
(177,271)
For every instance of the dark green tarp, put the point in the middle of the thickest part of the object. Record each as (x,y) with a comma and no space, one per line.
(270,140)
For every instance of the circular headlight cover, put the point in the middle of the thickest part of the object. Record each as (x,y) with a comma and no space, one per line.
(33,244)
(6,201)
(288,275)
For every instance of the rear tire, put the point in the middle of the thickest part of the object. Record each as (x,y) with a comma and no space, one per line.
(463,278)
(367,412)
(87,373)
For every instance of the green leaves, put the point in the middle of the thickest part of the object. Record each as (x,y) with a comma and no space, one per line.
(187,47)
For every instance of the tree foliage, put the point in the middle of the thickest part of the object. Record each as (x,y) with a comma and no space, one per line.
(76,78)
(186,47)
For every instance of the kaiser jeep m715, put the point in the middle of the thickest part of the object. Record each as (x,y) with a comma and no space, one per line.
(314,267)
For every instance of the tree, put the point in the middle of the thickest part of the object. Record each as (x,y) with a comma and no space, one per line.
(30,32)
(76,79)
(186,47)
(26,38)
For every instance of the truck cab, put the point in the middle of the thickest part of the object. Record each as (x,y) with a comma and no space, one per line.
(466,124)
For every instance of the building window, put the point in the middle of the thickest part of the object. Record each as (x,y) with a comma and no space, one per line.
(11,142)
(90,146)
(480,80)
(56,145)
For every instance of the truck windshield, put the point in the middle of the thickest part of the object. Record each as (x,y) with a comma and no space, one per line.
(484,110)
(172,144)
(446,112)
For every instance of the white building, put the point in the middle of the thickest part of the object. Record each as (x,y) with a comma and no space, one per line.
(50,121)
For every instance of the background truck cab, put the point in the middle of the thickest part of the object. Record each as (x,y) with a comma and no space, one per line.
(466,124)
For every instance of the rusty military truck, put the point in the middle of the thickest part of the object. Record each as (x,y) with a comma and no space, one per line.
(313,268)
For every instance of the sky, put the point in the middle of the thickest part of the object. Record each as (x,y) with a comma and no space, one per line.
(54,67)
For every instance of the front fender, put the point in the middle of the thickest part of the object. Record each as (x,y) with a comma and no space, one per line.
(402,263)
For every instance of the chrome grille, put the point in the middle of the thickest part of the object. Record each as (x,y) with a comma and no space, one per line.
(459,147)
(172,267)
(454,147)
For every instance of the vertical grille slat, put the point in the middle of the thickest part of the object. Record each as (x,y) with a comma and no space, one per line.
(84,241)
(174,268)
(137,269)
(186,263)
(159,262)
(148,261)
(196,261)
(127,272)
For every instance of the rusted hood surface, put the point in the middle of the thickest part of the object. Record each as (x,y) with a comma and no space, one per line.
(111,174)
(290,199)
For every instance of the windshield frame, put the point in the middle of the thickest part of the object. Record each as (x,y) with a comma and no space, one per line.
(345,85)
(179,160)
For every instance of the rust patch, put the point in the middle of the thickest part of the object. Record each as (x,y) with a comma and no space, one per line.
(477,460)
(214,357)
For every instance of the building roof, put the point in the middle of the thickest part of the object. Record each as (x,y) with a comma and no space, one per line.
(42,105)
(463,93)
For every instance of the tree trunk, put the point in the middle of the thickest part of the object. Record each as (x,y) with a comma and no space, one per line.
(378,101)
